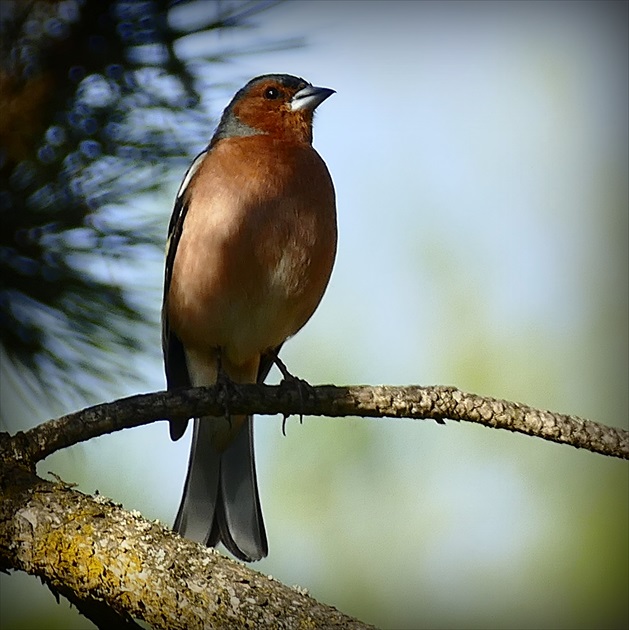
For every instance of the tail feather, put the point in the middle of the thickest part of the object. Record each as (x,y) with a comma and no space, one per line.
(200,493)
(239,515)
(220,499)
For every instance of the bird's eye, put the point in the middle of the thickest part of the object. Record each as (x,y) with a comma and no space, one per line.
(271,93)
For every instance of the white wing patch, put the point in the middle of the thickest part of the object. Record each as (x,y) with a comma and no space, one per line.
(190,173)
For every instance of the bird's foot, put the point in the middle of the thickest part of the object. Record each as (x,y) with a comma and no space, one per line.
(304,389)
(226,391)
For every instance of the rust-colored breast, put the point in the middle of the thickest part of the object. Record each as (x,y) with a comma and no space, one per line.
(257,246)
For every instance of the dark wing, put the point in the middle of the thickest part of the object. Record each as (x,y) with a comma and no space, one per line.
(172,348)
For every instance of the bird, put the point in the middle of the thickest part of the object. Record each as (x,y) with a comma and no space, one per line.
(251,246)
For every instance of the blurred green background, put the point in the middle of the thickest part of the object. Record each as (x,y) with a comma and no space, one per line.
(480,157)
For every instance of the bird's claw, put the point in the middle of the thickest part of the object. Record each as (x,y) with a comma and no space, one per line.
(226,390)
(304,389)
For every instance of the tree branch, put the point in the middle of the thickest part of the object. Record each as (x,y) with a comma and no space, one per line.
(437,403)
(116,566)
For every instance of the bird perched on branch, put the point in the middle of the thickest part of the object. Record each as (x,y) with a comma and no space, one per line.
(251,245)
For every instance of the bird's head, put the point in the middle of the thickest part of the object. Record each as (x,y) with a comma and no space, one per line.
(279,105)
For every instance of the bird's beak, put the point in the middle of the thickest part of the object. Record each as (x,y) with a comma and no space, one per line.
(309,98)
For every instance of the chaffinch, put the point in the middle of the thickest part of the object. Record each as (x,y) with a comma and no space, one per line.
(251,244)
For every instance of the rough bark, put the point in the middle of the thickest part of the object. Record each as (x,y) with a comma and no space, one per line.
(436,403)
(116,566)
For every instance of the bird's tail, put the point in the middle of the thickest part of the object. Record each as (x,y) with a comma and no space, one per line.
(220,498)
